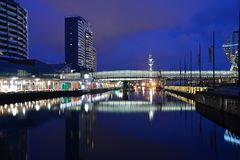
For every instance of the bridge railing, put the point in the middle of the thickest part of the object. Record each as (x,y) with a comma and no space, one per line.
(126,74)
(160,74)
(196,74)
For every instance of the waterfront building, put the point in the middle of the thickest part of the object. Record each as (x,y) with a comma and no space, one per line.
(79,50)
(13,30)
(16,67)
(230,48)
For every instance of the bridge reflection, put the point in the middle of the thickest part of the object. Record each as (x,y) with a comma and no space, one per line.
(140,106)
(78,114)
(100,102)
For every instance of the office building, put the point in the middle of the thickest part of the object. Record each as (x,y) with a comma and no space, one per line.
(94,59)
(13,30)
(79,51)
(90,53)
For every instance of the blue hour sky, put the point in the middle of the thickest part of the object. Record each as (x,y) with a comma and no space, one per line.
(125,30)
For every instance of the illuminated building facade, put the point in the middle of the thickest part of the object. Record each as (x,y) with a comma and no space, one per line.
(13,30)
(90,52)
(79,51)
(231,50)
(94,59)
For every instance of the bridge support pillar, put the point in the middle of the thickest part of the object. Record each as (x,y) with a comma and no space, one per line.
(125,85)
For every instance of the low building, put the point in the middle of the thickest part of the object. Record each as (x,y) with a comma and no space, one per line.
(14,67)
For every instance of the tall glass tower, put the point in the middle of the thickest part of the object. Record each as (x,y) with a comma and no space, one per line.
(79,51)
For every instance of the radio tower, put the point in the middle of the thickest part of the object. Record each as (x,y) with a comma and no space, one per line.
(150,61)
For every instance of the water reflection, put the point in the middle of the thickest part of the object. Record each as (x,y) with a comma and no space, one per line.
(79,134)
(20,109)
(231,137)
(93,122)
(13,144)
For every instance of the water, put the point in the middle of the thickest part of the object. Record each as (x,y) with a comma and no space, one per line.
(113,125)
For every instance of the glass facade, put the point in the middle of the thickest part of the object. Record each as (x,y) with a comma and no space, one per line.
(231,50)
(90,52)
(79,51)
(13,30)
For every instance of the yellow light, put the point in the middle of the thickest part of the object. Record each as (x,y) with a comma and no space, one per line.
(153,84)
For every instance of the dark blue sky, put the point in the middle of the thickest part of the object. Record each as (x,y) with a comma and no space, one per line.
(125,30)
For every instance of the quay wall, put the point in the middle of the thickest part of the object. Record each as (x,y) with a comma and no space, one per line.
(36,95)
(229,104)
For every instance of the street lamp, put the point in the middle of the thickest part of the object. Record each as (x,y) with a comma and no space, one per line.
(239,51)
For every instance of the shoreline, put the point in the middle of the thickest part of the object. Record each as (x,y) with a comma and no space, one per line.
(7,98)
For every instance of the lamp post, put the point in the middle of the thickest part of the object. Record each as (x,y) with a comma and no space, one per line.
(239,51)
(180,73)
(185,71)
(191,78)
(213,58)
(200,65)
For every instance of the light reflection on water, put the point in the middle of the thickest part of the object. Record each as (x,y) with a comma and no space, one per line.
(51,104)
(232,138)
(113,125)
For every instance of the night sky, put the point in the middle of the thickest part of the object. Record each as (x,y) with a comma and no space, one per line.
(125,30)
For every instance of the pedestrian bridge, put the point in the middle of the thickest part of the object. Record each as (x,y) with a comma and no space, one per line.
(129,75)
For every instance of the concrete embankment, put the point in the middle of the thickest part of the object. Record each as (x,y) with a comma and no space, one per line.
(224,99)
(223,102)
(28,96)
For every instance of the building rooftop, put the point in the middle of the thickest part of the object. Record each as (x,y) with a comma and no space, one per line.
(28,67)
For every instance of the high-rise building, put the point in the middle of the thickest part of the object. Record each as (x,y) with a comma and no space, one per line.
(94,59)
(13,30)
(79,51)
(90,52)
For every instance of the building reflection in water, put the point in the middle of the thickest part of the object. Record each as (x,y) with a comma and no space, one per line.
(13,144)
(79,116)
(79,134)
(15,119)
(73,103)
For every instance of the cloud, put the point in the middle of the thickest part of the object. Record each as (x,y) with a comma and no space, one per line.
(124,28)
